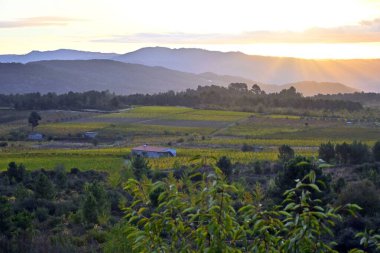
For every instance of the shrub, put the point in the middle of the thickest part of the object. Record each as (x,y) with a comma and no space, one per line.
(285,153)
(364,194)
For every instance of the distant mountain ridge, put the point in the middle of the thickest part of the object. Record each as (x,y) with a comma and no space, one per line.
(60,54)
(359,74)
(62,76)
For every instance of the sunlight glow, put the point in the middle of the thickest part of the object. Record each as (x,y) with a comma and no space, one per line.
(296,28)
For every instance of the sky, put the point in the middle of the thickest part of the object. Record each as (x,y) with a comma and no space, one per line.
(296,28)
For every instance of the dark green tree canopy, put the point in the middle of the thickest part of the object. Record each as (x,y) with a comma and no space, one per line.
(240,87)
(34,119)
(255,89)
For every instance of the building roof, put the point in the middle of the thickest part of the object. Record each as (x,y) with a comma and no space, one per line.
(35,134)
(148,148)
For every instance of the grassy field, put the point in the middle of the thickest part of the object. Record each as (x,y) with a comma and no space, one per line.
(48,159)
(192,132)
(178,113)
(112,159)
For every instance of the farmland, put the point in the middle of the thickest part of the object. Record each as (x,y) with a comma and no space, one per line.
(192,132)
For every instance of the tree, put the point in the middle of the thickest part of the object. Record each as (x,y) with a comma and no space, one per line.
(16,173)
(12,171)
(285,153)
(376,151)
(359,153)
(33,119)
(326,152)
(224,163)
(343,153)
(44,187)
(295,170)
(255,89)
(96,203)
(140,167)
(291,92)
(240,87)
(60,176)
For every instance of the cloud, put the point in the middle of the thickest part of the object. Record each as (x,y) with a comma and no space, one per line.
(160,38)
(365,31)
(36,21)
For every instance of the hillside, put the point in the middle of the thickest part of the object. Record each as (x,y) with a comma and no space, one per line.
(359,74)
(122,78)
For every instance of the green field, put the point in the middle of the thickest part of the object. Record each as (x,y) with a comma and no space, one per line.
(112,159)
(192,132)
(178,113)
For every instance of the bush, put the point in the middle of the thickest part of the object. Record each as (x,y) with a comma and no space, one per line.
(224,163)
(364,194)
(285,153)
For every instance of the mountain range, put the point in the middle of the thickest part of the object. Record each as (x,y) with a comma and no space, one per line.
(60,54)
(157,69)
(361,74)
(123,78)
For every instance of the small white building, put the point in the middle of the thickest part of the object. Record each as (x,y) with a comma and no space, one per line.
(90,135)
(35,137)
(153,152)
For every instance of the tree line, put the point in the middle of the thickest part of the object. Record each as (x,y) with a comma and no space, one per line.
(237,96)
(366,98)
(349,153)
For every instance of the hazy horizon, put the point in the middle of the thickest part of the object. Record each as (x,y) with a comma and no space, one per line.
(177,48)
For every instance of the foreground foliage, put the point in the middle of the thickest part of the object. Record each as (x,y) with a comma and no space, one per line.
(204,213)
